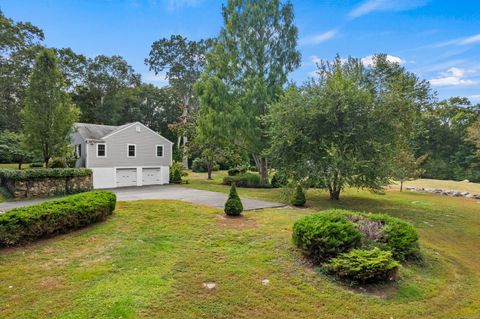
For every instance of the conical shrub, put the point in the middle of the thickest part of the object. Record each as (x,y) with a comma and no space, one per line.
(233,206)
(298,198)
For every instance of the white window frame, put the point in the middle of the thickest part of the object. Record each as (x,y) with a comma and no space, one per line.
(156,150)
(128,150)
(104,144)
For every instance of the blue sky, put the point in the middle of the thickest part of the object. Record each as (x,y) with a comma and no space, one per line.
(437,39)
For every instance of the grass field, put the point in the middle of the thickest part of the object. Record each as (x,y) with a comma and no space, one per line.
(151,258)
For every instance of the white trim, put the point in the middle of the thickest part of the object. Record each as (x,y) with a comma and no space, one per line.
(86,154)
(128,150)
(156,151)
(105,144)
(136,123)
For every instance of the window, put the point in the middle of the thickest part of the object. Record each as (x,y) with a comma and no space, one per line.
(131,150)
(101,150)
(78,150)
(159,150)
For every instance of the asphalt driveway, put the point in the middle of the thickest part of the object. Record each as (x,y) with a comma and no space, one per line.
(196,196)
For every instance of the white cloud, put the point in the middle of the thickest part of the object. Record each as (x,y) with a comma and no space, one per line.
(471,40)
(319,38)
(453,77)
(474,98)
(370,6)
(315,59)
(173,5)
(159,79)
(368,60)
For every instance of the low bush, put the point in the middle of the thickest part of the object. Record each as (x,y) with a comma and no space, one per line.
(199,165)
(35,165)
(233,206)
(57,162)
(28,174)
(244,180)
(176,172)
(363,266)
(399,236)
(298,197)
(237,170)
(279,180)
(325,235)
(29,223)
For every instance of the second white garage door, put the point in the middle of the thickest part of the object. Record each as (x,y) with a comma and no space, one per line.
(126,177)
(151,176)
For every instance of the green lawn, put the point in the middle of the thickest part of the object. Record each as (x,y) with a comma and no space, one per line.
(151,258)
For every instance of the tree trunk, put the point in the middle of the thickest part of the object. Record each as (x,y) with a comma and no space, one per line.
(185,156)
(335,194)
(263,170)
(19,165)
(209,171)
(46,160)
(401,185)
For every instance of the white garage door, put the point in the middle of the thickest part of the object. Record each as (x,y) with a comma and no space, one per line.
(151,176)
(126,177)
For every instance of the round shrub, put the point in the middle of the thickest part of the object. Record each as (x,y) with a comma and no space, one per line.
(279,180)
(325,235)
(233,206)
(176,173)
(298,198)
(57,162)
(363,266)
(400,237)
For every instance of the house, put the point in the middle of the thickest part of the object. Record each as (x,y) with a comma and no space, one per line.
(126,155)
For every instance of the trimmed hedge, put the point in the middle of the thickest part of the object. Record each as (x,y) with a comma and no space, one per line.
(325,235)
(28,174)
(245,180)
(29,223)
(298,197)
(363,266)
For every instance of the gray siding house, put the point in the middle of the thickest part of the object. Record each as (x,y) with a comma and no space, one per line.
(126,155)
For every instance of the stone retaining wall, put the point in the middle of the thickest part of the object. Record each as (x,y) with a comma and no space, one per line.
(445,192)
(48,186)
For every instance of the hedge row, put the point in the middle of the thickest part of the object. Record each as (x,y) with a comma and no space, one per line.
(245,180)
(21,225)
(28,174)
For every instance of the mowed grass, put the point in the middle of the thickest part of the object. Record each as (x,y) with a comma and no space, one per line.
(151,258)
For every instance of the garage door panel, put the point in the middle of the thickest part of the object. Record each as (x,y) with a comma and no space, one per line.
(151,176)
(126,177)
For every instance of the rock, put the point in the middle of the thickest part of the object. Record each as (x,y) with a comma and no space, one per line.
(464,193)
(466,181)
(410,188)
(209,285)
(265,282)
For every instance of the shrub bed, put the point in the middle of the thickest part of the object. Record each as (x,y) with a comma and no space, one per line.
(378,242)
(244,180)
(29,223)
(363,266)
(325,235)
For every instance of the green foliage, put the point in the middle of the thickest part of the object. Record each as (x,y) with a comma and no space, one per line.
(200,165)
(363,266)
(237,170)
(324,235)
(33,222)
(233,205)
(244,180)
(19,44)
(362,114)
(29,174)
(176,172)
(298,198)
(400,237)
(279,180)
(57,162)
(49,113)
(12,149)
(35,165)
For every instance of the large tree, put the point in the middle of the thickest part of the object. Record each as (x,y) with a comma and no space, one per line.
(19,44)
(255,51)
(48,114)
(13,150)
(339,130)
(182,61)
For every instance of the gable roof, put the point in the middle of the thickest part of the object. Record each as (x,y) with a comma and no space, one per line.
(96,131)
(99,132)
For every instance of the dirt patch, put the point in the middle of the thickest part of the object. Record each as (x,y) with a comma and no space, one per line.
(381,291)
(238,222)
(53,282)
